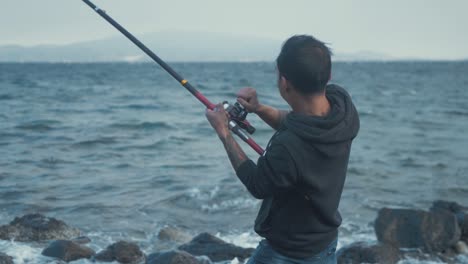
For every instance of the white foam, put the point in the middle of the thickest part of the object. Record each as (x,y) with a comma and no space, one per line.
(203,195)
(23,253)
(416,261)
(238,203)
(246,239)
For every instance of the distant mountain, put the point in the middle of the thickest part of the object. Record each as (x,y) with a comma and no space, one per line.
(170,46)
(364,56)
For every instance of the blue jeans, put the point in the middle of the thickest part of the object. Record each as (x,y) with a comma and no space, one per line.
(265,254)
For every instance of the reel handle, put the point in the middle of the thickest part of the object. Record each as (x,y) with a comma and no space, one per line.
(238,114)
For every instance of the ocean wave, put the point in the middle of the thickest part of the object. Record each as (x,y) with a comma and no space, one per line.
(457,113)
(8,135)
(138,107)
(411,163)
(123,166)
(38,125)
(5,97)
(53,160)
(153,146)
(203,195)
(185,166)
(23,253)
(142,126)
(211,201)
(95,142)
(356,171)
(245,239)
(228,205)
(24,82)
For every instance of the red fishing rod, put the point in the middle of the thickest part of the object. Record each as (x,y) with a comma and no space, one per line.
(237,114)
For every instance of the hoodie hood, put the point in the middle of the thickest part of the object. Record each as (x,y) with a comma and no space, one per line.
(340,125)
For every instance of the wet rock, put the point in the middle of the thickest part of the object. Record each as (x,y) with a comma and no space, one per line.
(362,252)
(5,259)
(172,257)
(174,234)
(406,228)
(461,212)
(67,250)
(216,249)
(81,240)
(204,260)
(123,252)
(453,207)
(37,227)
(461,248)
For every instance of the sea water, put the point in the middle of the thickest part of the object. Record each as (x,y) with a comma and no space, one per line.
(121,150)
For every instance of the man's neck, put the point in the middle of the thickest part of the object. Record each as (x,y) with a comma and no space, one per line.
(316,105)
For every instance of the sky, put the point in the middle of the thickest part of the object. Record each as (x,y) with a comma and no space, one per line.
(430,29)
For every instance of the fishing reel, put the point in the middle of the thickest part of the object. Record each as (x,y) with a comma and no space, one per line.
(238,114)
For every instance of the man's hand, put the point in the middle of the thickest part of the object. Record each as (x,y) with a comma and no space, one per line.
(247,97)
(218,118)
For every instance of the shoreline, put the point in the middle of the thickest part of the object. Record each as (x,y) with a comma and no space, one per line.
(52,237)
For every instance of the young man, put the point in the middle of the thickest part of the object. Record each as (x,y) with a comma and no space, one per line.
(301,176)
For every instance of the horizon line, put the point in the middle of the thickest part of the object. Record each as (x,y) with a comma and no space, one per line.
(230,61)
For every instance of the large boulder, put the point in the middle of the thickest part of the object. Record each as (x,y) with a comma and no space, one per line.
(172,257)
(5,259)
(406,228)
(37,227)
(67,250)
(461,212)
(362,252)
(216,249)
(123,252)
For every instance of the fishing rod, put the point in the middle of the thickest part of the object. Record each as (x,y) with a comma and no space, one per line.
(237,113)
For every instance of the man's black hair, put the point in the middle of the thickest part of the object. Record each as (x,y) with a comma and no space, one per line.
(306,63)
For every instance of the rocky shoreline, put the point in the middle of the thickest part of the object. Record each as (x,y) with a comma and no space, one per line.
(67,244)
(440,234)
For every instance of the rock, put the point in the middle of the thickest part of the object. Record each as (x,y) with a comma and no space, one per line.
(447,205)
(174,234)
(461,212)
(406,228)
(123,252)
(362,252)
(204,260)
(67,250)
(36,227)
(172,257)
(5,259)
(216,249)
(461,248)
(81,240)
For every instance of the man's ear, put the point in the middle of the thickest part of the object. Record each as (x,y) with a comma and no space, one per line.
(287,85)
(282,80)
